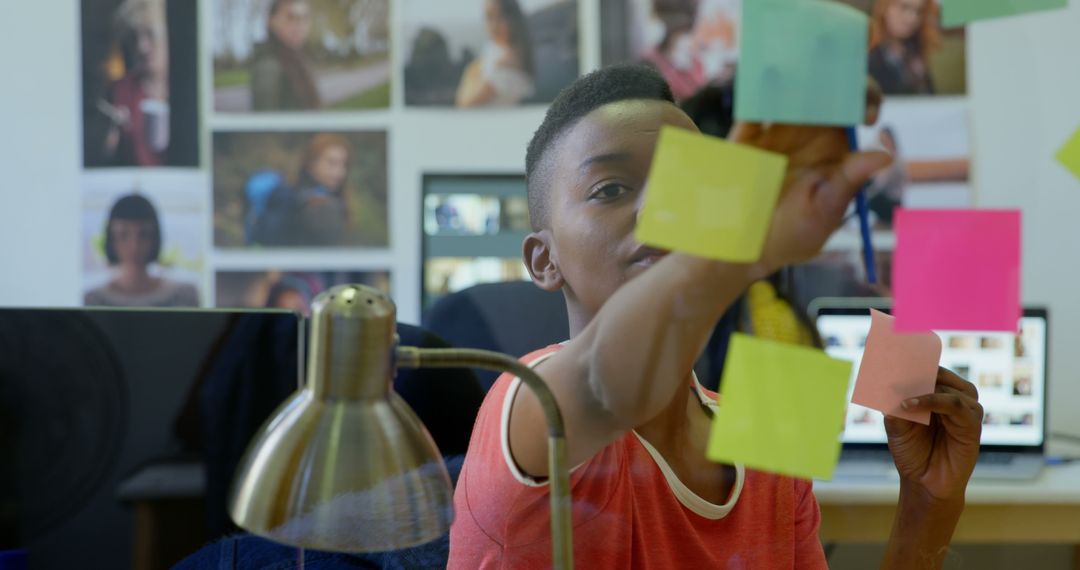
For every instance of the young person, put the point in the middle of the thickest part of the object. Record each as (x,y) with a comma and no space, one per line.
(637,421)
(132,244)
(903,37)
(503,74)
(281,77)
(137,103)
(315,211)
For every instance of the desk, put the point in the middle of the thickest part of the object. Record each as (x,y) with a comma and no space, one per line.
(1046,510)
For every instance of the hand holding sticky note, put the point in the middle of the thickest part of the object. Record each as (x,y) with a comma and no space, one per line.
(781,408)
(956,270)
(802,62)
(710,198)
(896,367)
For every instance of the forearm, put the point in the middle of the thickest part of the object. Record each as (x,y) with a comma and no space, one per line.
(644,341)
(921,531)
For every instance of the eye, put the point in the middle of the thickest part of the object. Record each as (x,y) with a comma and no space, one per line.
(609,191)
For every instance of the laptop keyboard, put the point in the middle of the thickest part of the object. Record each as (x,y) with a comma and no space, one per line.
(996,458)
(872,462)
(874,455)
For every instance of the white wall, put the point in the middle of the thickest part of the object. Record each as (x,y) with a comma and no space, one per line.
(1024,78)
(40,154)
(1025,87)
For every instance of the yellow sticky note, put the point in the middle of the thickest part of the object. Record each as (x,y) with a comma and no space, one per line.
(709,197)
(781,408)
(1069,155)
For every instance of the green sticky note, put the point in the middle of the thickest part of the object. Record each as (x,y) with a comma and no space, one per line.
(709,197)
(1069,155)
(802,62)
(960,12)
(781,408)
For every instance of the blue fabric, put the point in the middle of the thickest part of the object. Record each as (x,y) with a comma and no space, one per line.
(514,317)
(249,552)
(16,559)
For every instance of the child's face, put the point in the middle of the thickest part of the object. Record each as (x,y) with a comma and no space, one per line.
(903,17)
(292,24)
(597,185)
(132,241)
(331,167)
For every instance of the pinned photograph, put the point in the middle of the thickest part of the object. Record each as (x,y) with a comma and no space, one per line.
(142,239)
(300,189)
(910,53)
(695,44)
(292,290)
(488,53)
(300,55)
(692,43)
(139,83)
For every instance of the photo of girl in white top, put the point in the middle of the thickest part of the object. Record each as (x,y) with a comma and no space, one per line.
(488,54)
(503,74)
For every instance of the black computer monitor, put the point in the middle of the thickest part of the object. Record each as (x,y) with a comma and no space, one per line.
(103,408)
(123,422)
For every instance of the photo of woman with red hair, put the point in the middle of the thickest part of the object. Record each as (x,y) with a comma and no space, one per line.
(904,35)
(275,189)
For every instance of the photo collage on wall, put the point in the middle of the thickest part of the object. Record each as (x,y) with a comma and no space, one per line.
(235,152)
(920,68)
(166,223)
(288,151)
(143,196)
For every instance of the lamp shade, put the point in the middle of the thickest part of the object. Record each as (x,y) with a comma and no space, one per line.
(344,465)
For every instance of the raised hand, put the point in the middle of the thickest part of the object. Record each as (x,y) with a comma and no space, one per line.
(822,178)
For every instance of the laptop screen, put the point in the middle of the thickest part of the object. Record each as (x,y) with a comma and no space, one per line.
(1008,369)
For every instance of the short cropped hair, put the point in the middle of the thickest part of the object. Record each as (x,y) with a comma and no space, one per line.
(604,86)
(132,208)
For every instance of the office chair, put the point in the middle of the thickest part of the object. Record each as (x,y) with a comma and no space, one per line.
(514,317)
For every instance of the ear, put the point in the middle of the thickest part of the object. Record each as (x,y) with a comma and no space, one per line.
(542,261)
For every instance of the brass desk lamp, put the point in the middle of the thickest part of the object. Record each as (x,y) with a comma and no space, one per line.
(345,465)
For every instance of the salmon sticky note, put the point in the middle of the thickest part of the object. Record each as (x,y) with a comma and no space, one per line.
(709,197)
(1069,155)
(960,12)
(781,408)
(801,62)
(956,270)
(896,367)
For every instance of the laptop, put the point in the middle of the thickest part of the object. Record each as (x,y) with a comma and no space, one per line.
(1009,371)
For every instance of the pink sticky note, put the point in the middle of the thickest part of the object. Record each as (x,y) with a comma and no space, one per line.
(956,270)
(895,367)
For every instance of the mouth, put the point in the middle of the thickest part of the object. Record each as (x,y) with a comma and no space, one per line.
(645,256)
